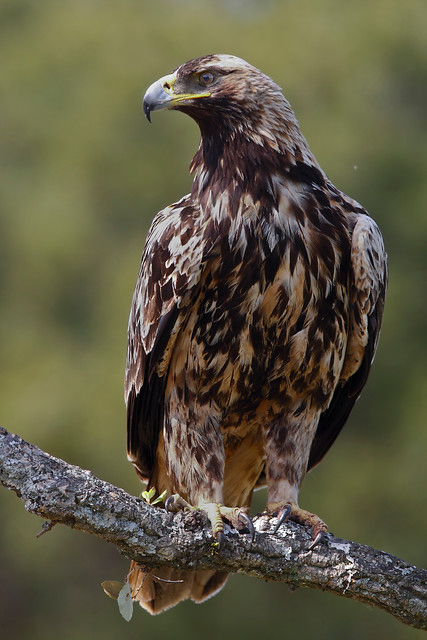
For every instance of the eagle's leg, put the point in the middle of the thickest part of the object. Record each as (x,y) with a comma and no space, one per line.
(287,445)
(217,513)
(195,460)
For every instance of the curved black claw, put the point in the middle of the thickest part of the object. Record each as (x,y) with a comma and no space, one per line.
(249,525)
(283,517)
(168,503)
(319,537)
(220,538)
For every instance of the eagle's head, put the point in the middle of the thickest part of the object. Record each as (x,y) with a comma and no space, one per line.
(213,88)
(238,108)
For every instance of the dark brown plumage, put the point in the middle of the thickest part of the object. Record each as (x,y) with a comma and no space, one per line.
(255,316)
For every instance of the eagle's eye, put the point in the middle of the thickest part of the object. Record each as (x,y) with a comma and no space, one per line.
(206,78)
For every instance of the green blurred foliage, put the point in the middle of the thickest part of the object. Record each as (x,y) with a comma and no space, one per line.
(82,175)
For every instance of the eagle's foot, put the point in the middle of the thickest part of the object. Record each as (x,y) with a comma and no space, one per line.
(217,513)
(236,516)
(290,510)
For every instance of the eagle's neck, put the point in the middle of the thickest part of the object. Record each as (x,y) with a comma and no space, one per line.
(253,158)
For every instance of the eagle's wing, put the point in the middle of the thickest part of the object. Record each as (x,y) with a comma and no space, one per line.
(172,263)
(367,292)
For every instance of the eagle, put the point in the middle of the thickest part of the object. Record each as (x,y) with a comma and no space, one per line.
(255,317)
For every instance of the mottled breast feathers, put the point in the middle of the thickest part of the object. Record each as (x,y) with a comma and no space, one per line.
(331,243)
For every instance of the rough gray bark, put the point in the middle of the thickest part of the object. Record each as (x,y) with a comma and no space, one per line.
(60,492)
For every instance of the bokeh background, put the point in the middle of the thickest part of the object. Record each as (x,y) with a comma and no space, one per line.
(82,175)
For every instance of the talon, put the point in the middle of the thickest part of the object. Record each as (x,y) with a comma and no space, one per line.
(220,538)
(249,525)
(176,503)
(321,535)
(283,517)
(168,503)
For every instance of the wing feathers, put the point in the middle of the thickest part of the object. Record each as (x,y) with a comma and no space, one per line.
(369,270)
(169,275)
(368,288)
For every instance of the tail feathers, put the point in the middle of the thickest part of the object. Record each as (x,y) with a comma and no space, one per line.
(160,589)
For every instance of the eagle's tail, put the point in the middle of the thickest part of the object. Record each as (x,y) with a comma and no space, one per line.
(159,589)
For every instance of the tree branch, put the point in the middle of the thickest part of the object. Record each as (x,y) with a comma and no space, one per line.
(60,492)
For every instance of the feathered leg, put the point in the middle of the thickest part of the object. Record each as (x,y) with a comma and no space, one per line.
(195,462)
(287,444)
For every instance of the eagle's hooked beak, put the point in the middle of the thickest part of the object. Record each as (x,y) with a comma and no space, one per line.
(160,95)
